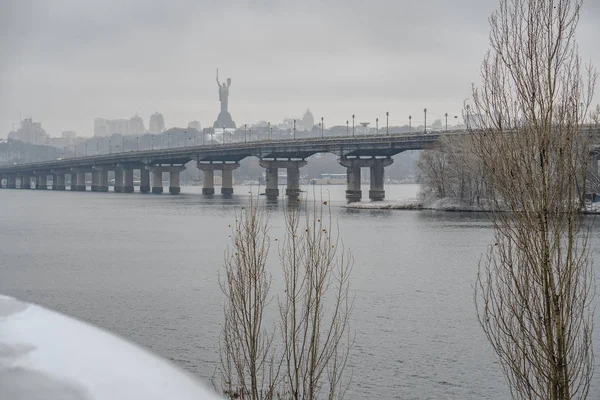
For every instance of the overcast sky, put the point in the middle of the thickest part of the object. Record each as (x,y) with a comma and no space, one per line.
(65,62)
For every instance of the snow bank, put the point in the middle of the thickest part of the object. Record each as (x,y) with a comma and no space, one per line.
(402,204)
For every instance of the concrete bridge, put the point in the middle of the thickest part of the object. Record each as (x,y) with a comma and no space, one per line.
(373,151)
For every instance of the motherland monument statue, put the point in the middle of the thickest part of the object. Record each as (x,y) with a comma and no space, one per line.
(224,119)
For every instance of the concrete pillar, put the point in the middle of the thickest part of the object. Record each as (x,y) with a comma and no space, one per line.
(128,180)
(103,187)
(74,181)
(227,181)
(95,181)
(157,187)
(272,189)
(11,181)
(353,192)
(41,182)
(58,181)
(119,180)
(208,180)
(174,187)
(293,181)
(26,182)
(377,192)
(145,180)
(80,181)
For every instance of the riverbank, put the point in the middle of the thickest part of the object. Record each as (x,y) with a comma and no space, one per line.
(446,204)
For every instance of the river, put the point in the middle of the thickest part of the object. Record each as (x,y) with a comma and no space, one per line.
(146,267)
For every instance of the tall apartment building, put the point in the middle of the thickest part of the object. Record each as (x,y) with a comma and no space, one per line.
(157,123)
(107,127)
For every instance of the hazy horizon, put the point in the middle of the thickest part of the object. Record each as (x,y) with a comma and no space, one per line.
(65,62)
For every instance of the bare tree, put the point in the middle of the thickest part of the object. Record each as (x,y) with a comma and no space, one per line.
(535,286)
(311,354)
(248,369)
(316,307)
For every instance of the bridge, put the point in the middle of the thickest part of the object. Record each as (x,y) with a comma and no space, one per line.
(355,152)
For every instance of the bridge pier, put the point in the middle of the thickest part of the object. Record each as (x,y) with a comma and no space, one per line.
(208,181)
(127,180)
(174,187)
(73,186)
(157,187)
(145,180)
(99,179)
(293,177)
(353,177)
(58,181)
(41,182)
(11,181)
(25,182)
(119,180)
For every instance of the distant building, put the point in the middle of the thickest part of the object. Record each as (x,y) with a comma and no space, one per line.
(30,132)
(195,125)
(69,136)
(107,127)
(308,121)
(157,123)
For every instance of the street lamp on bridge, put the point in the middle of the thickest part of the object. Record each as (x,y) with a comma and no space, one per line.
(294,129)
(352,125)
(377,126)
(425,111)
(245,131)
(387,122)
(410,123)
(322,127)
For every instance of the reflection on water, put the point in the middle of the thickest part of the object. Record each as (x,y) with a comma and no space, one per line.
(146,267)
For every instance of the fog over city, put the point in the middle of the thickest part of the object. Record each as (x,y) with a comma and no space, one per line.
(66,62)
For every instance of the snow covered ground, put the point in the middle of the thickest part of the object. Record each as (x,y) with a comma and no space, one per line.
(47,355)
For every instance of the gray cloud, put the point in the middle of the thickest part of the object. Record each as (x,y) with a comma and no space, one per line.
(69,61)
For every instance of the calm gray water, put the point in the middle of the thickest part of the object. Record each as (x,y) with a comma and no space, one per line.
(146,267)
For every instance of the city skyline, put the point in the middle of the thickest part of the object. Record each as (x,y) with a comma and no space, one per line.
(362,59)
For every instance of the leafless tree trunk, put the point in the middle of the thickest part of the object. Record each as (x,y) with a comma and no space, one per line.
(248,369)
(316,307)
(535,287)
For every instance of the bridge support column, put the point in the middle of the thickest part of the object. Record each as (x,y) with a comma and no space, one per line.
(41,181)
(353,165)
(99,180)
(80,182)
(25,182)
(157,187)
(377,192)
(227,178)
(208,178)
(11,181)
(58,181)
(145,180)
(272,171)
(95,181)
(119,180)
(73,181)
(128,180)
(174,187)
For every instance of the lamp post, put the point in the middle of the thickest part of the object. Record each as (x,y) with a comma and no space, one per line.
(294,129)
(245,130)
(322,127)
(387,122)
(352,125)
(123,146)
(86,152)
(410,123)
(377,126)
(455,121)
(250,134)
(97,147)
(168,140)
(425,111)
(137,143)
(109,146)
(446,115)
(347,129)
(269,129)
(152,142)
